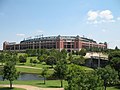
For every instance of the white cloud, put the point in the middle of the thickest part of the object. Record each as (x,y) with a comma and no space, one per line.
(92,15)
(118,18)
(95,17)
(21,35)
(106,14)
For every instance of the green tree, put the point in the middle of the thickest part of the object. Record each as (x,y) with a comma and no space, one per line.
(53,52)
(58,55)
(78,61)
(28,51)
(44,73)
(31,61)
(94,81)
(22,59)
(70,57)
(109,75)
(63,54)
(45,51)
(11,57)
(114,58)
(82,52)
(114,54)
(2,58)
(51,61)
(78,79)
(116,48)
(9,71)
(60,70)
(34,62)
(73,52)
(42,58)
(77,52)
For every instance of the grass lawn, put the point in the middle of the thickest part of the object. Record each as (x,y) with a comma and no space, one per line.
(28,70)
(86,68)
(37,65)
(49,84)
(7,88)
(113,88)
(38,71)
(21,54)
(32,70)
(38,83)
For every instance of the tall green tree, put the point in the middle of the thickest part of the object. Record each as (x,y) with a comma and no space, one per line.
(82,52)
(42,58)
(34,62)
(116,48)
(2,60)
(77,52)
(109,75)
(9,71)
(78,61)
(22,59)
(53,52)
(60,70)
(114,54)
(44,73)
(63,54)
(114,58)
(51,60)
(70,57)
(11,57)
(79,79)
(31,61)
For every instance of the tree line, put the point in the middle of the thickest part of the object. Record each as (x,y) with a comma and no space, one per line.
(66,69)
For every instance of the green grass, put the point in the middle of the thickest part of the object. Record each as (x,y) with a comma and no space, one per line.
(76,56)
(38,71)
(7,88)
(113,88)
(32,70)
(33,58)
(86,68)
(38,83)
(28,70)
(21,54)
(49,84)
(37,65)
(28,60)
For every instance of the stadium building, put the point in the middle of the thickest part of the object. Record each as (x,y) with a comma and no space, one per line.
(57,42)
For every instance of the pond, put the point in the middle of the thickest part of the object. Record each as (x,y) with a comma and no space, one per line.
(26,77)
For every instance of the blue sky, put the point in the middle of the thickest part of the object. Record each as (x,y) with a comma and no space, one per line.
(96,19)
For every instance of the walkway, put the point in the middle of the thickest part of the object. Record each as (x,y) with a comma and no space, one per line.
(28,87)
(30,67)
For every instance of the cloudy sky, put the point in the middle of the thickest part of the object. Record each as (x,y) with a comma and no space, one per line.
(96,19)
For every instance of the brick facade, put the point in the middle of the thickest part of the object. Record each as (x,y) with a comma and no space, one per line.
(58,42)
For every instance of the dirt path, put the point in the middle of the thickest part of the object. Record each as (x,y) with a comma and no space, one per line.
(28,87)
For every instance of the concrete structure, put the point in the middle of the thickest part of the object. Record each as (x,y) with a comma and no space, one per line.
(58,42)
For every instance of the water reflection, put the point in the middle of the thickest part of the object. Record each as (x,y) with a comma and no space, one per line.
(26,77)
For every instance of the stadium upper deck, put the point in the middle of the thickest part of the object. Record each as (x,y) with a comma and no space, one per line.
(58,42)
